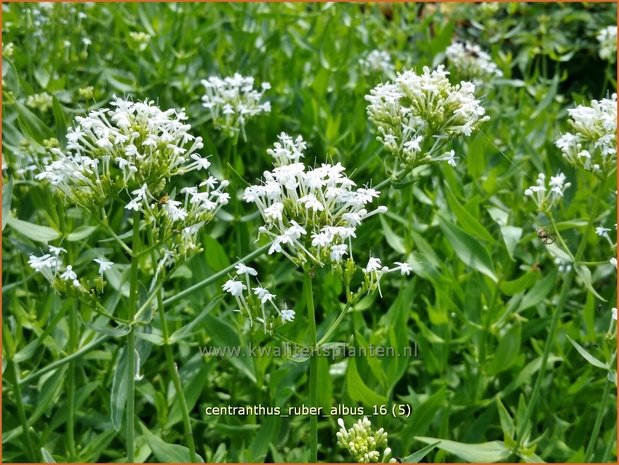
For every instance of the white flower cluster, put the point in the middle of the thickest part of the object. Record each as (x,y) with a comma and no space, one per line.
(545,196)
(471,62)
(592,144)
(123,147)
(130,152)
(362,443)
(233,101)
(50,265)
(607,38)
(376,62)
(253,300)
(416,114)
(309,214)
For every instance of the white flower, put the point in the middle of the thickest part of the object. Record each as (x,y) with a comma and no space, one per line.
(287,315)
(417,114)
(376,62)
(403,268)
(232,101)
(263,294)
(547,196)
(309,214)
(613,312)
(613,262)
(44,263)
(607,38)
(104,264)
(234,287)
(338,251)
(373,265)
(69,274)
(242,269)
(132,146)
(57,250)
(592,144)
(471,62)
(601,231)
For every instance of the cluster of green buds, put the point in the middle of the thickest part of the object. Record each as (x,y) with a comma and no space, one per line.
(364,444)
(416,115)
(41,102)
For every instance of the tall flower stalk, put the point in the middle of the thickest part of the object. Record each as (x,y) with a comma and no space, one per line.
(130,153)
(310,217)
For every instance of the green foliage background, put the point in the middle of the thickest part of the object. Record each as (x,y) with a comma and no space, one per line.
(484,286)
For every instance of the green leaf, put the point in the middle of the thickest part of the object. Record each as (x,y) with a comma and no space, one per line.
(392,238)
(587,356)
(520,284)
(539,292)
(31,124)
(426,412)
(34,232)
(358,390)
(166,452)
(118,396)
(507,424)
(485,452)
(469,250)
(421,453)
(186,330)
(466,220)
(7,194)
(585,275)
(47,457)
(511,236)
(506,352)
(81,233)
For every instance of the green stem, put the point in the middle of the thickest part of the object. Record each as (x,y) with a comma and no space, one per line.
(133,295)
(335,324)
(175,378)
(21,413)
(58,363)
(567,283)
(313,378)
(71,385)
(609,445)
(213,278)
(598,423)
(394,177)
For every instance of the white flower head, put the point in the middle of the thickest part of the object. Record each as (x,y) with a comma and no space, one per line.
(310,214)
(607,38)
(104,264)
(234,287)
(376,62)
(471,62)
(415,115)
(592,143)
(233,100)
(242,269)
(547,195)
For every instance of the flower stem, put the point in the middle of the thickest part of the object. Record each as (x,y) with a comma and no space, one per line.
(313,375)
(71,385)
(567,284)
(598,422)
(13,371)
(175,378)
(133,295)
(335,324)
